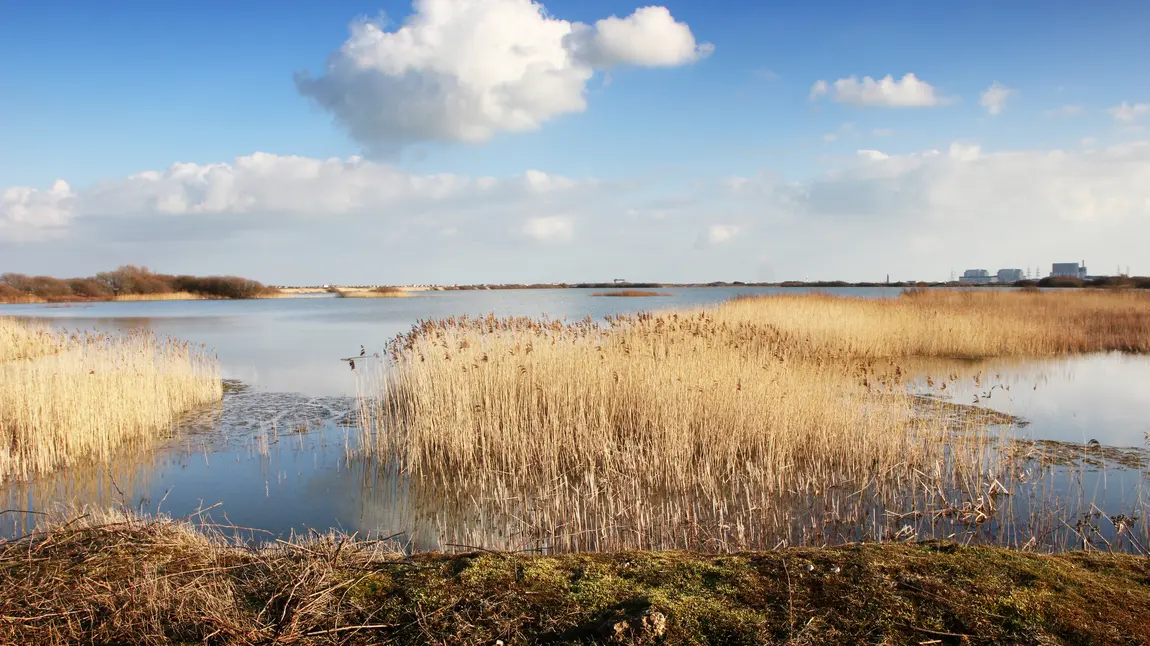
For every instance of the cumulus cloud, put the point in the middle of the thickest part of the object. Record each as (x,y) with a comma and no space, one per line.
(463,70)
(549,229)
(28,214)
(1129,112)
(994,98)
(907,92)
(911,214)
(276,186)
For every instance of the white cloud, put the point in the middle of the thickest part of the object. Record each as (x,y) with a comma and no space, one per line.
(917,214)
(1129,112)
(882,132)
(994,98)
(649,37)
(463,70)
(830,137)
(28,214)
(716,234)
(549,229)
(922,214)
(1089,141)
(1065,111)
(907,92)
(271,185)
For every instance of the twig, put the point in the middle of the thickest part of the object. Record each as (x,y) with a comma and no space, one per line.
(342,629)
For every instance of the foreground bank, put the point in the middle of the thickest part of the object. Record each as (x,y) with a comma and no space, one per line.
(128,580)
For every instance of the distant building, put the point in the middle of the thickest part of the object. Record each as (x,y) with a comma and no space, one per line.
(975,276)
(1068,270)
(1009,275)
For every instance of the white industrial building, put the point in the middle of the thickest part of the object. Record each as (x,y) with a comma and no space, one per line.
(975,276)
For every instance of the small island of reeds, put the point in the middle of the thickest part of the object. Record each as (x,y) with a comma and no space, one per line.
(629,293)
(372,292)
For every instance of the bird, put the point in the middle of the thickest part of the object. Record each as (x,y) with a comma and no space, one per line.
(351,362)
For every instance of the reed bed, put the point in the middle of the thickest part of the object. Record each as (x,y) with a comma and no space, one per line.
(679,398)
(65,397)
(376,292)
(729,427)
(163,296)
(953,324)
(632,293)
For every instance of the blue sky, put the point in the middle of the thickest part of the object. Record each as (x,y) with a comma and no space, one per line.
(93,95)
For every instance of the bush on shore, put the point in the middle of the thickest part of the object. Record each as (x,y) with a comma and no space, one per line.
(127,280)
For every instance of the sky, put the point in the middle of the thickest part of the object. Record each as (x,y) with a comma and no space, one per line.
(496,141)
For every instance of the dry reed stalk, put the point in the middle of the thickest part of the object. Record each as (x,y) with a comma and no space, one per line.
(84,396)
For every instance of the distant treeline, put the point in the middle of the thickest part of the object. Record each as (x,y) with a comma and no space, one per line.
(1135,282)
(126,280)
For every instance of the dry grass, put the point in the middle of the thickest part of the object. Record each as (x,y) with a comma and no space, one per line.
(948,323)
(117,579)
(164,296)
(65,398)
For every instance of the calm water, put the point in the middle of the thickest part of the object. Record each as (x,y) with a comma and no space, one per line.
(276,458)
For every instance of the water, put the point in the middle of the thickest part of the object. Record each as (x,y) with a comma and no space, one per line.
(293,344)
(278,457)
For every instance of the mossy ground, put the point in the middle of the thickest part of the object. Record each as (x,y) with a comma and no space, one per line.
(159,584)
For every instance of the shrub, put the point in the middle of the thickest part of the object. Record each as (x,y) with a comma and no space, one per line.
(89,288)
(1061,281)
(49,288)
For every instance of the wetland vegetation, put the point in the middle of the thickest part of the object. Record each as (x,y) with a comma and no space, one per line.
(66,397)
(808,451)
(126,283)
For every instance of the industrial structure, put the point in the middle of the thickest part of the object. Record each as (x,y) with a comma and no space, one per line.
(975,276)
(1009,275)
(1068,270)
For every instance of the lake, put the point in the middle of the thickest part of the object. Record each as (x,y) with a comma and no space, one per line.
(281,453)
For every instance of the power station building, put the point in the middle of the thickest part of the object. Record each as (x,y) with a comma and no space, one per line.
(1068,270)
(975,276)
(1009,275)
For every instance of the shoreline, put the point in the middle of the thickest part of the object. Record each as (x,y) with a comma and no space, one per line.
(158,581)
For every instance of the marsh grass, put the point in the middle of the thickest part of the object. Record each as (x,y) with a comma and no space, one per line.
(68,397)
(763,421)
(163,296)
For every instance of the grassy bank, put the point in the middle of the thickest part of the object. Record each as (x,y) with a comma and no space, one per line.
(65,397)
(160,582)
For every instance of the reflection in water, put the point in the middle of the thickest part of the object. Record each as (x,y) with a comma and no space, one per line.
(282,463)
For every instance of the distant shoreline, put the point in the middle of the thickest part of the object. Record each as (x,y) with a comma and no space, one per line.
(363,291)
